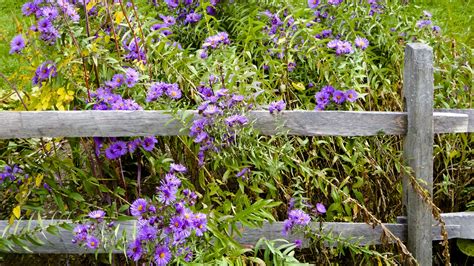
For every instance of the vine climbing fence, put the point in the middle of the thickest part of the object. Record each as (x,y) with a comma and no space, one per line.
(418,124)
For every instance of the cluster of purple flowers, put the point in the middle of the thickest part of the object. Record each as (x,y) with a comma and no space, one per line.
(105,99)
(277,30)
(335,2)
(17,44)
(218,107)
(166,224)
(134,51)
(12,173)
(216,41)
(188,7)
(44,72)
(324,34)
(328,94)
(425,21)
(298,219)
(341,47)
(313,3)
(87,234)
(276,107)
(158,89)
(119,148)
(375,7)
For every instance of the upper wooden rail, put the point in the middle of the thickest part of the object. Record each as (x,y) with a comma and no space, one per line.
(162,123)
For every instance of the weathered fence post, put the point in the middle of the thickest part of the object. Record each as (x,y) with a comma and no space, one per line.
(418,147)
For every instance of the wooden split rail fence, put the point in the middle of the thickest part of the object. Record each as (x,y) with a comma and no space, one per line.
(418,124)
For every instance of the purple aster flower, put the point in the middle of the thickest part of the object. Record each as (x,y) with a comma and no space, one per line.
(135,250)
(138,207)
(222,38)
(162,254)
(322,97)
(361,43)
(200,224)
(173,91)
(167,194)
(168,20)
(201,137)
(80,233)
(49,12)
(338,97)
(334,2)
(236,120)
(333,44)
(351,95)
(344,47)
(172,3)
(116,150)
(291,66)
(148,143)
(423,23)
(147,233)
(197,127)
(97,214)
(29,8)
(313,3)
(212,109)
(299,217)
(203,54)
(131,77)
(436,29)
(328,89)
(118,79)
(45,25)
(176,223)
(179,168)
(171,180)
(17,44)
(155,91)
(92,242)
(320,208)
(192,18)
(287,226)
(211,11)
(326,33)
(298,243)
(242,173)
(277,106)
(427,14)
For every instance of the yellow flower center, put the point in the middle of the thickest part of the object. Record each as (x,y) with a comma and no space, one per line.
(140,207)
(162,255)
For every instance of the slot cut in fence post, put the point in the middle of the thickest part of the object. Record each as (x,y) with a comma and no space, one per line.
(418,90)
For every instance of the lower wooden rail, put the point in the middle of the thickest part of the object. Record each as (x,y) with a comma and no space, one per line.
(458,225)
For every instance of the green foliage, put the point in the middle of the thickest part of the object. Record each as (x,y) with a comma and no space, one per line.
(68,178)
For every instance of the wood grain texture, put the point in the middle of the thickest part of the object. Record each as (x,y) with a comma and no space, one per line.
(361,233)
(465,221)
(468,112)
(418,91)
(161,123)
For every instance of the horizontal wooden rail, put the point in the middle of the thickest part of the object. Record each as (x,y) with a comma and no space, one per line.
(459,225)
(161,123)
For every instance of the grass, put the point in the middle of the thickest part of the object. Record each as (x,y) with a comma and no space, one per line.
(454,16)
(10,11)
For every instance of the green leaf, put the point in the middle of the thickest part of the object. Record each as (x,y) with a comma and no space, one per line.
(76,196)
(466,246)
